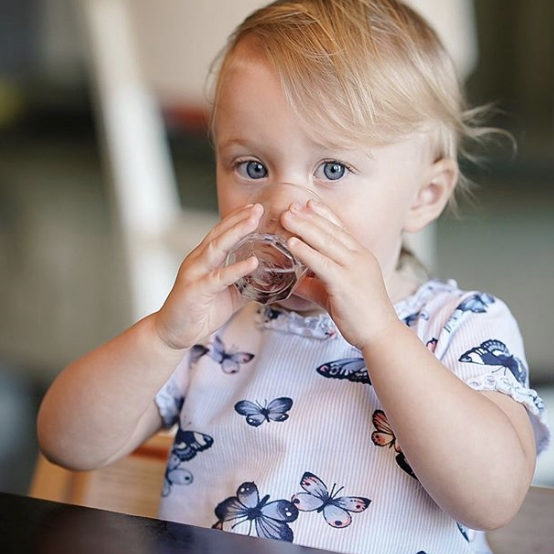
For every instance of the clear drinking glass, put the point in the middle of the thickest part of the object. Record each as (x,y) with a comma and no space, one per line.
(278,271)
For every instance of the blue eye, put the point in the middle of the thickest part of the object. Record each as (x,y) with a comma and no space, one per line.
(334,170)
(253,169)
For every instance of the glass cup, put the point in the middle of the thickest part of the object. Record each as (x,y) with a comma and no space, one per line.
(278,271)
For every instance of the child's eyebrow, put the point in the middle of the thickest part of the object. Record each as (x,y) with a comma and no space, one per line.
(233,141)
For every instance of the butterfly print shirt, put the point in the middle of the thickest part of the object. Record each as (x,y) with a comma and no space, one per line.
(281,435)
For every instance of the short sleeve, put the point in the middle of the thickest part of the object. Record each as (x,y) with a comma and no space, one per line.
(479,340)
(171,396)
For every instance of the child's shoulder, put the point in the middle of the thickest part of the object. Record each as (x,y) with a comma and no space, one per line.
(446,302)
(446,294)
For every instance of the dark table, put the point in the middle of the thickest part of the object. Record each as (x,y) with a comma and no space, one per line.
(31,526)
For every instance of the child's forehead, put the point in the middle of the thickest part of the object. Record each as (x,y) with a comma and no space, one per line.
(330,115)
(247,55)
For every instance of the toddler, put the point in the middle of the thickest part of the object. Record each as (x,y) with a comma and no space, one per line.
(372,411)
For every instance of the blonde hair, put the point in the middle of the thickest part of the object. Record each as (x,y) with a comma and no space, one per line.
(360,72)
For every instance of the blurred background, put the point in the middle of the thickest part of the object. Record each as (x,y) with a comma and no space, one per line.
(107,179)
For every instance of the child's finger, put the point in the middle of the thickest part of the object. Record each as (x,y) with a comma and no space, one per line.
(222,277)
(313,289)
(238,215)
(320,233)
(325,268)
(215,248)
(325,211)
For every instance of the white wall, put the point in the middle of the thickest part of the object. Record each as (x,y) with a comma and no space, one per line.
(178,39)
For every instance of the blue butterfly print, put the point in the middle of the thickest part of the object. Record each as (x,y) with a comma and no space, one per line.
(463,530)
(175,475)
(495,353)
(351,369)
(185,447)
(384,436)
(188,443)
(196,352)
(270,313)
(230,361)
(247,512)
(476,303)
(336,511)
(412,318)
(178,402)
(256,414)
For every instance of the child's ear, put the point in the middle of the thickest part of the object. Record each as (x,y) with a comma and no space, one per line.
(436,189)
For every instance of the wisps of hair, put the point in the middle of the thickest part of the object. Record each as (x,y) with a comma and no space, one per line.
(362,72)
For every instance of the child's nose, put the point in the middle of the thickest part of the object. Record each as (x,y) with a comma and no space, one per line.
(276,199)
(282,195)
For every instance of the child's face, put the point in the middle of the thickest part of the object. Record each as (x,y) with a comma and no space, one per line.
(259,140)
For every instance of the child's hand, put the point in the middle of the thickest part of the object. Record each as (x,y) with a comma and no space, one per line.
(202,298)
(348,281)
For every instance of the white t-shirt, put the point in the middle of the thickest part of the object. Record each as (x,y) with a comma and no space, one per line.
(281,435)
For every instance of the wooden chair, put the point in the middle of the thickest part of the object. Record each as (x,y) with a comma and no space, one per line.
(131,486)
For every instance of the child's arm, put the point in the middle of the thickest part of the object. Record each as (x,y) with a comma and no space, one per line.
(473,452)
(102,406)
